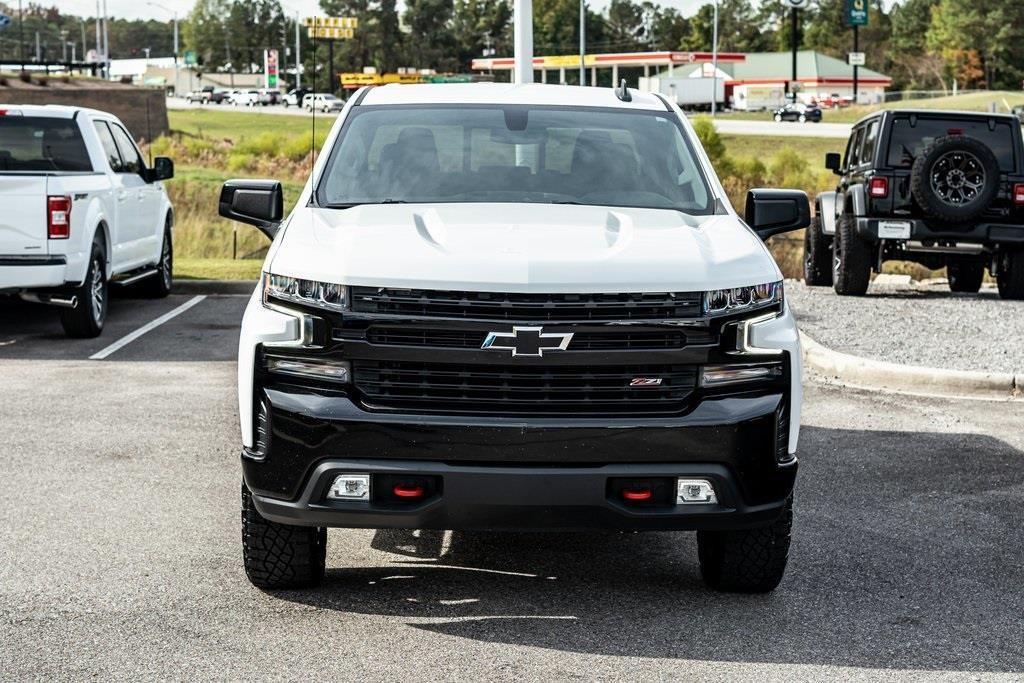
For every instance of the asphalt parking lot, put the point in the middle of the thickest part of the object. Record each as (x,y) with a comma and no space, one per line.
(121,552)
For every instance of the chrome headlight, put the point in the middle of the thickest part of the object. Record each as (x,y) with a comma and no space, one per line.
(742,298)
(309,292)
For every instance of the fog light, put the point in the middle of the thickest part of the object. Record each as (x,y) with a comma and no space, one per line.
(350,487)
(721,375)
(695,491)
(335,371)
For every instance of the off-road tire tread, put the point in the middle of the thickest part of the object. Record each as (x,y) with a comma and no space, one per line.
(747,560)
(1010,279)
(817,256)
(854,273)
(280,556)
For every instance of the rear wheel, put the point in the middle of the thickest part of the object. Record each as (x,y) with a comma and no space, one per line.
(92,298)
(1011,275)
(279,556)
(746,560)
(851,259)
(778,118)
(965,276)
(817,256)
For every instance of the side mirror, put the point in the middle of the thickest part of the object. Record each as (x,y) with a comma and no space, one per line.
(834,162)
(163,169)
(256,202)
(770,212)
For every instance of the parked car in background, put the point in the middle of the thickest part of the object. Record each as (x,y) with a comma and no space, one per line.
(448,338)
(207,95)
(81,209)
(269,96)
(835,101)
(943,189)
(247,98)
(324,102)
(293,98)
(798,111)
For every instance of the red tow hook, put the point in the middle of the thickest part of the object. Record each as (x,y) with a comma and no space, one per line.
(410,492)
(637,494)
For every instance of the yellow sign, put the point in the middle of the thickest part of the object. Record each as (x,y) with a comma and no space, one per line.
(330,33)
(349,80)
(567,61)
(332,22)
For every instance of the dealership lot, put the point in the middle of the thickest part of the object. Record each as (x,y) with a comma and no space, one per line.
(121,555)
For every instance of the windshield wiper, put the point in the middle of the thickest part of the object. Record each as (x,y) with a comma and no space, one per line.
(349,205)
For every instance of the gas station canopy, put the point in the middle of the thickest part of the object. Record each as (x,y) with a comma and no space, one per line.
(614,61)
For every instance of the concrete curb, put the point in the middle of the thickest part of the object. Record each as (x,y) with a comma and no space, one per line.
(864,373)
(244,287)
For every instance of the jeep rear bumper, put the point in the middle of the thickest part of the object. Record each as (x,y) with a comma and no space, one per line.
(923,231)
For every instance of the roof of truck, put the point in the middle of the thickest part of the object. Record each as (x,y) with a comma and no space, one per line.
(57,111)
(509,93)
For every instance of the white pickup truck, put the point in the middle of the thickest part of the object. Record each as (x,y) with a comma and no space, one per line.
(81,209)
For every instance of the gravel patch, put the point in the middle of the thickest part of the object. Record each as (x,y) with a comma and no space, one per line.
(916,324)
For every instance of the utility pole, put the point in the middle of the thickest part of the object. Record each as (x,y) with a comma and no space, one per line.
(583,42)
(792,86)
(714,62)
(298,61)
(522,25)
(106,40)
(856,48)
(21,36)
(38,57)
(64,46)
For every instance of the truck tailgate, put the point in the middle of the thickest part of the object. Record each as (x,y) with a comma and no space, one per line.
(23,218)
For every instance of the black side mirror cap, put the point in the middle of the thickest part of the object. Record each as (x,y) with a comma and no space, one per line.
(771,212)
(163,169)
(834,162)
(255,202)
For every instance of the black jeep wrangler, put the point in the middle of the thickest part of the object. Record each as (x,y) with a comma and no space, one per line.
(943,189)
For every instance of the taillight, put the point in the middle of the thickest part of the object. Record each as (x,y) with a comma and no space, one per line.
(878,187)
(58,218)
(1018,193)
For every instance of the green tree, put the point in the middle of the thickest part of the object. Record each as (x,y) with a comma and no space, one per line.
(481,25)
(433,43)
(740,28)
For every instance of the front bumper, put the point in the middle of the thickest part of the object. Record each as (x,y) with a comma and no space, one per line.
(920,230)
(480,497)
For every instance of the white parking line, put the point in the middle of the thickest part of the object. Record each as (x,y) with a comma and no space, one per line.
(152,324)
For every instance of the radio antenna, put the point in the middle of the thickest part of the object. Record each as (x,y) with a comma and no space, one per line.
(312,140)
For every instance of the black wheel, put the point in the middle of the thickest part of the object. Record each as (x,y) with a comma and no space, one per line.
(817,256)
(92,298)
(955,178)
(279,556)
(746,560)
(1010,278)
(851,259)
(965,276)
(159,286)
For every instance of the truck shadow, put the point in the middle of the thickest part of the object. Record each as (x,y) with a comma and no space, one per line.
(906,555)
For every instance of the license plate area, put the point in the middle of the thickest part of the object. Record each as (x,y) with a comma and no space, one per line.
(894,230)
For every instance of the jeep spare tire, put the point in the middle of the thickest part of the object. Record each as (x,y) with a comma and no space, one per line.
(955,178)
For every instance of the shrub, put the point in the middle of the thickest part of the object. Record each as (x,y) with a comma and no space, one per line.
(710,139)
(24,77)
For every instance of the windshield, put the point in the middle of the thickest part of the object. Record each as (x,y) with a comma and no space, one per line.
(438,154)
(29,143)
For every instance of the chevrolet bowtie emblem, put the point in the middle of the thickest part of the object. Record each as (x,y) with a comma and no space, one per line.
(527,341)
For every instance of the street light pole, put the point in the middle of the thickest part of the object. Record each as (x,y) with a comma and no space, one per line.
(714,63)
(583,42)
(522,23)
(174,14)
(298,61)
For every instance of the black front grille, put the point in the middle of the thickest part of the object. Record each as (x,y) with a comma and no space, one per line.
(612,340)
(526,307)
(524,390)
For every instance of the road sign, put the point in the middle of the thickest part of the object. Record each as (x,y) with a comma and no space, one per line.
(856,12)
(796,4)
(190,58)
(332,22)
(330,33)
(856,59)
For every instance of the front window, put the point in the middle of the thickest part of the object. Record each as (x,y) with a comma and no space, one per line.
(547,155)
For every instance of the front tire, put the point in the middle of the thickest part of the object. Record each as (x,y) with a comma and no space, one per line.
(965,276)
(747,560)
(778,118)
(280,556)
(817,256)
(86,319)
(851,259)
(1010,279)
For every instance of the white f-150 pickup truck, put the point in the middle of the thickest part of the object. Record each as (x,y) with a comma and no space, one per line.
(80,209)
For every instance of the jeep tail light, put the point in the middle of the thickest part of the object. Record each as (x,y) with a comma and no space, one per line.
(878,187)
(58,218)
(1018,193)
